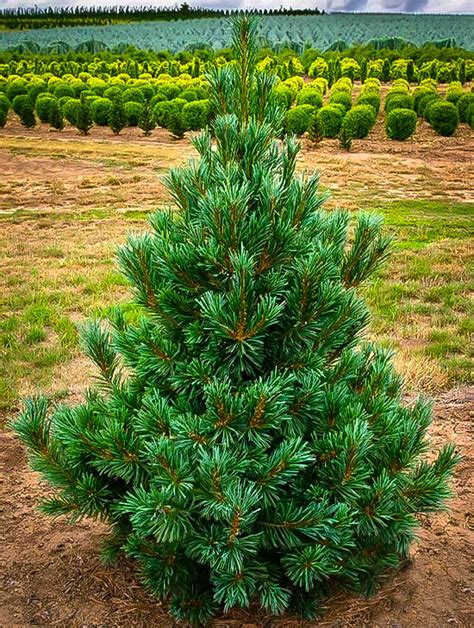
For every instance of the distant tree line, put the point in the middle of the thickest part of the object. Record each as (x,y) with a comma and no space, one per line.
(53,17)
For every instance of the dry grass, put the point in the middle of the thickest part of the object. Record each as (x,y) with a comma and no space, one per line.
(67,202)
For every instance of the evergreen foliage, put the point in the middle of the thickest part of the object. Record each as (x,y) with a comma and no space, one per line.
(132,110)
(23,107)
(43,106)
(242,443)
(341,98)
(56,118)
(463,105)
(398,100)
(345,137)
(358,121)
(117,120)
(400,124)
(84,120)
(4,108)
(71,110)
(443,117)
(330,118)
(298,119)
(196,114)
(100,109)
(146,121)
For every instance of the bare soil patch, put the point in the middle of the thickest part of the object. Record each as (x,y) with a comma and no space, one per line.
(52,574)
(51,171)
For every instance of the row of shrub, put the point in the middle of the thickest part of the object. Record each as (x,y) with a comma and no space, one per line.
(178,115)
(164,87)
(385,70)
(285,65)
(443,114)
(181,105)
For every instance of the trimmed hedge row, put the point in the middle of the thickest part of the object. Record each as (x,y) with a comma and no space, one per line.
(181,104)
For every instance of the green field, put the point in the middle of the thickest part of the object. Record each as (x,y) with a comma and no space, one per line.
(317,31)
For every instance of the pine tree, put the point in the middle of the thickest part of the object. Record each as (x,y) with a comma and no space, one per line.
(84,120)
(243,443)
(117,120)
(315,131)
(345,138)
(147,121)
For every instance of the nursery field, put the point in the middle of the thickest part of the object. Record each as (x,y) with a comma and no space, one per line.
(66,203)
(320,31)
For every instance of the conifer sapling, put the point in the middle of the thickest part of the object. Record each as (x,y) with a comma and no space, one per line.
(243,443)
(147,121)
(84,120)
(117,120)
(55,117)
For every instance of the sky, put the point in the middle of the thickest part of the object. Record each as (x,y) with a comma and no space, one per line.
(407,6)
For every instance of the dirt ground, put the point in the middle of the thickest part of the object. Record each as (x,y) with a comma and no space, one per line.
(50,572)
(46,171)
(52,575)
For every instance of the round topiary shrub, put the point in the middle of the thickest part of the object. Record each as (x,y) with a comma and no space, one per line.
(196,114)
(401,84)
(97,85)
(23,107)
(330,120)
(4,108)
(430,83)
(470,115)
(371,98)
(171,90)
(400,124)
(100,110)
(35,88)
(419,93)
(19,102)
(71,109)
(426,102)
(342,98)
(319,68)
(350,68)
(43,106)
(133,94)
(344,84)
(310,96)
(454,92)
(148,91)
(190,95)
(358,121)
(463,105)
(133,111)
(113,92)
(319,83)
(398,100)
(17,87)
(64,89)
(283,96)
(371,84)
(166,110)
(297,119)
(443,117)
